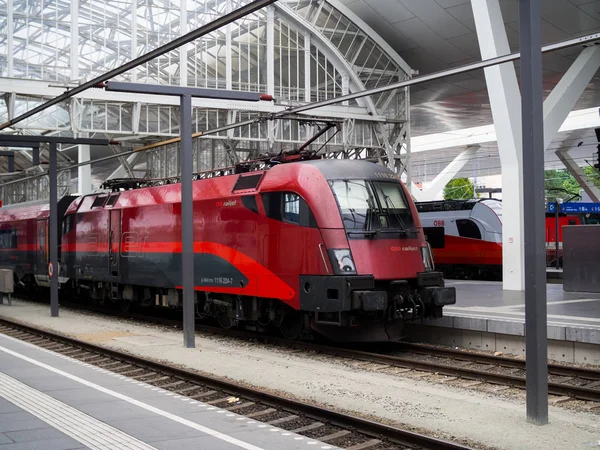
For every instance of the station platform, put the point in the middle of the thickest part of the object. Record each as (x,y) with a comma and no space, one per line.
(489,299)
(52,402)
(485,311)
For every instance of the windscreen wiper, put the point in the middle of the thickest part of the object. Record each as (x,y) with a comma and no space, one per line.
(388,202)
(365,232)
(405,231)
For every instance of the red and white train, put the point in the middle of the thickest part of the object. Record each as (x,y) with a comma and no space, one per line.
(328,246)
(466,236)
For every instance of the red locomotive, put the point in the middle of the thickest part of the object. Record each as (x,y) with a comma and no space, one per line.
(332,246)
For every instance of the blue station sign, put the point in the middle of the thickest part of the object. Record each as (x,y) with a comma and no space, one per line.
(574,207)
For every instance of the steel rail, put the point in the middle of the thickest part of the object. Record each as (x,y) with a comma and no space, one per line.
(174,44)
(554,369)
(367,427)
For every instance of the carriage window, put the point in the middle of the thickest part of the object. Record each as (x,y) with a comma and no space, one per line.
(8,239)
(467,228)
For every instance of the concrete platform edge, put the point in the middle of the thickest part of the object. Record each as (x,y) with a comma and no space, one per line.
(578,345)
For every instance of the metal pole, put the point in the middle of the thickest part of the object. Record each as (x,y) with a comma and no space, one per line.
(53,231)
(534,213)
(556,217)
(187,221)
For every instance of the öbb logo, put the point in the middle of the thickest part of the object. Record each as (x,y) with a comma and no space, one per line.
(404,249)
(227,203)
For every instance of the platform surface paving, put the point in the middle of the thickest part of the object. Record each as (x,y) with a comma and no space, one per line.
(50,401)
(488,299)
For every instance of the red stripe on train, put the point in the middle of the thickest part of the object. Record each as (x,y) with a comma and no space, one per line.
(261,281)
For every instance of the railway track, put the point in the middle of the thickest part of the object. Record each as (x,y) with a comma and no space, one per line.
(567,382)
(334,428)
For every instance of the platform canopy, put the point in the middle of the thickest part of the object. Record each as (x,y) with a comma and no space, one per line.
(299,50)
(296,50)
(434,35)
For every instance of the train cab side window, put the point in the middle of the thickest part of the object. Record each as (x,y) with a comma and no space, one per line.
(288,207)
(291,207)
(249,201)
(68,223)
(467,228)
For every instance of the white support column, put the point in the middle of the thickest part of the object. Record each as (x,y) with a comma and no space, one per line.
(416,193)
(307,58)
(271,67)
(232,117)
(10,98)
(449,172)
(74,40)
(9,41)
(408,159)
(588,185)
(505,101)
(345,86)
(184,50)
(135,117)
(270,50)
(565,94)
(228,60)
(134,38)
(84,173)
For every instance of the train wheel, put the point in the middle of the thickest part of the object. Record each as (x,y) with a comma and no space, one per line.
(201,303)
(125,305)
(292,325)
(224,320)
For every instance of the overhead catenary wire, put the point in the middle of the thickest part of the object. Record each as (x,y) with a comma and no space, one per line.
(254,6)
(416,164)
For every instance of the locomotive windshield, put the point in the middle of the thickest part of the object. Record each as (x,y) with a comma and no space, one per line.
(370,206)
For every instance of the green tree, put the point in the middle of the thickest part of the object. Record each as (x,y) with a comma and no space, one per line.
(593,174)
(560,184)
(459,189)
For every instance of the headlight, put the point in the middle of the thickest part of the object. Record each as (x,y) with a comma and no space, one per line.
(427,258)
(341,260)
